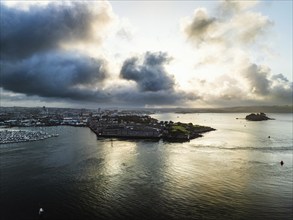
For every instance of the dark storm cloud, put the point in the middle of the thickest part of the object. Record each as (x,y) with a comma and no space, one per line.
(151,74)
(60,75)
(42,28)
(154,85)
(35,66)
(77,78)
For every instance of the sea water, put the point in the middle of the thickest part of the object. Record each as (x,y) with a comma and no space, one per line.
(231,173)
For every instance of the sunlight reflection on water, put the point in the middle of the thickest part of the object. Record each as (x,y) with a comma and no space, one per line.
(233,172)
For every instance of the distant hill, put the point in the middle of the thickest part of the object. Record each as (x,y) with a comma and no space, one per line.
(239,109)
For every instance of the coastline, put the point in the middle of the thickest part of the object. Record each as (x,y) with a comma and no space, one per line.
(121,127)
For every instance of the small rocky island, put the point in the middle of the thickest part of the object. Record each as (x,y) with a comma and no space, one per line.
(257,117)
(146,127)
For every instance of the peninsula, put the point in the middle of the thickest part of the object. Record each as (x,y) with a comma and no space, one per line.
(146,127)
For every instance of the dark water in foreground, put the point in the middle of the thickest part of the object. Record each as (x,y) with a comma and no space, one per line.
(231,173)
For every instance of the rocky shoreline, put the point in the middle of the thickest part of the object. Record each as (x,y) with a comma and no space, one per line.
(258,117)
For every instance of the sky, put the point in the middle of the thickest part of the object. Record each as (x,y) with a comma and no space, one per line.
(146,53)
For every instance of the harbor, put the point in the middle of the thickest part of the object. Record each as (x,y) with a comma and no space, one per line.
(125,124)
(80,176)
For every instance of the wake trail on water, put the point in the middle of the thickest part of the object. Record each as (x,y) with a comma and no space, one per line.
(245,148)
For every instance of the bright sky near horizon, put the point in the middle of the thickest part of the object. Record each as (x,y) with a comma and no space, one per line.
(146,53)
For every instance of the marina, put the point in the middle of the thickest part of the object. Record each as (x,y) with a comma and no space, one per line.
(15,136)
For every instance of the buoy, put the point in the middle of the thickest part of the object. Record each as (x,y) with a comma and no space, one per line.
(41,211)
(282,163)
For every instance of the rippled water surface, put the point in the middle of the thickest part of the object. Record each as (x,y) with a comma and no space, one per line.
(231,173)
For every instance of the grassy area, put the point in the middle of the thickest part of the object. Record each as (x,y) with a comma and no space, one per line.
(187,129)
(179,129)
(198,127)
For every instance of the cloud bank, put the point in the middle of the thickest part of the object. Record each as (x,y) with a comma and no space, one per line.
(40,59)
(228,39)
(35,62)
(235,25)
(43,28)
(62,75)
(151,74)
(153,85)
